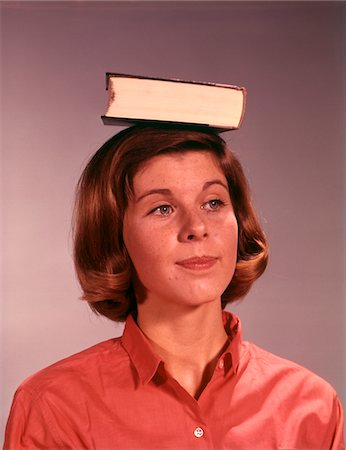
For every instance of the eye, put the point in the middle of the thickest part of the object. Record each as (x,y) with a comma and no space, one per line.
(163,210)
(213,205)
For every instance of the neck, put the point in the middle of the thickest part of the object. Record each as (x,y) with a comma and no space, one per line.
(189,341)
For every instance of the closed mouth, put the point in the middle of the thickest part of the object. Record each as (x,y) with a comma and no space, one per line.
(198,262)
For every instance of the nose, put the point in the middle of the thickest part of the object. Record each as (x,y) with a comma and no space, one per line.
(193,227)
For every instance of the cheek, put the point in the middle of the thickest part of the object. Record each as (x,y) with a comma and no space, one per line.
(231,247)
(233,239)
(146,247)
(229,234)
(136,247)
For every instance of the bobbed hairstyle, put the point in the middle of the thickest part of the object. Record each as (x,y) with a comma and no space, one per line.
(102,264)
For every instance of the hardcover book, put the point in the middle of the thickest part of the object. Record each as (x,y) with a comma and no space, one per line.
(135,99)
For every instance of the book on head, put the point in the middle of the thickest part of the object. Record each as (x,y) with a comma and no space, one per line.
(137,99)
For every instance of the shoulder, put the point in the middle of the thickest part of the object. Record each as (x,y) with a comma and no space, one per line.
(265,361)
(77,369)
(287,378)
(298,407)
(48,404)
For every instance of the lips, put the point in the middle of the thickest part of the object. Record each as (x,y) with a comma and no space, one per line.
(198,262)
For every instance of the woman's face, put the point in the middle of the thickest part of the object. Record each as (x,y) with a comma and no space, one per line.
(180,230)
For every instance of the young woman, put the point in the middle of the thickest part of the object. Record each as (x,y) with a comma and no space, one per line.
(165,237)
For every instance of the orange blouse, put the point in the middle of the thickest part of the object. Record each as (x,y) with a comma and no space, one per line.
(117,395)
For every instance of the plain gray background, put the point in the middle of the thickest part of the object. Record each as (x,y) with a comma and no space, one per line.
(290,57)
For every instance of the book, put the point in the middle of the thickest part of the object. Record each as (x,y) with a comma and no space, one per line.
(136,99)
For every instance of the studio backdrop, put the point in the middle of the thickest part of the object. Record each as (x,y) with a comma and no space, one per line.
(291,58)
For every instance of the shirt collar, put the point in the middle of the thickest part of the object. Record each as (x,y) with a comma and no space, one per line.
(147,362)
(232,327)
(140,351)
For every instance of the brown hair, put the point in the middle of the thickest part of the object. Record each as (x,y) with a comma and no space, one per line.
(103,266)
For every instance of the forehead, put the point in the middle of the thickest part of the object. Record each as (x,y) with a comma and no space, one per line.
(178,169)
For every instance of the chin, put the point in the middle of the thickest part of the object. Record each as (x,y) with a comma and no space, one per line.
(197,297)
(191,294)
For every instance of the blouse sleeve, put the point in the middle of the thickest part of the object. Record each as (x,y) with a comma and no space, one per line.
(338,441)
(30,425)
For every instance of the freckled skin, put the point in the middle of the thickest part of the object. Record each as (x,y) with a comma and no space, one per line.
(189,214)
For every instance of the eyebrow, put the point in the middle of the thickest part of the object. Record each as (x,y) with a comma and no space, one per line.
(154,191)
(168,192)
(210,183)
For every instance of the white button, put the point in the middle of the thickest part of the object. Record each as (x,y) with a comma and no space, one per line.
(221,364)
(198,432)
